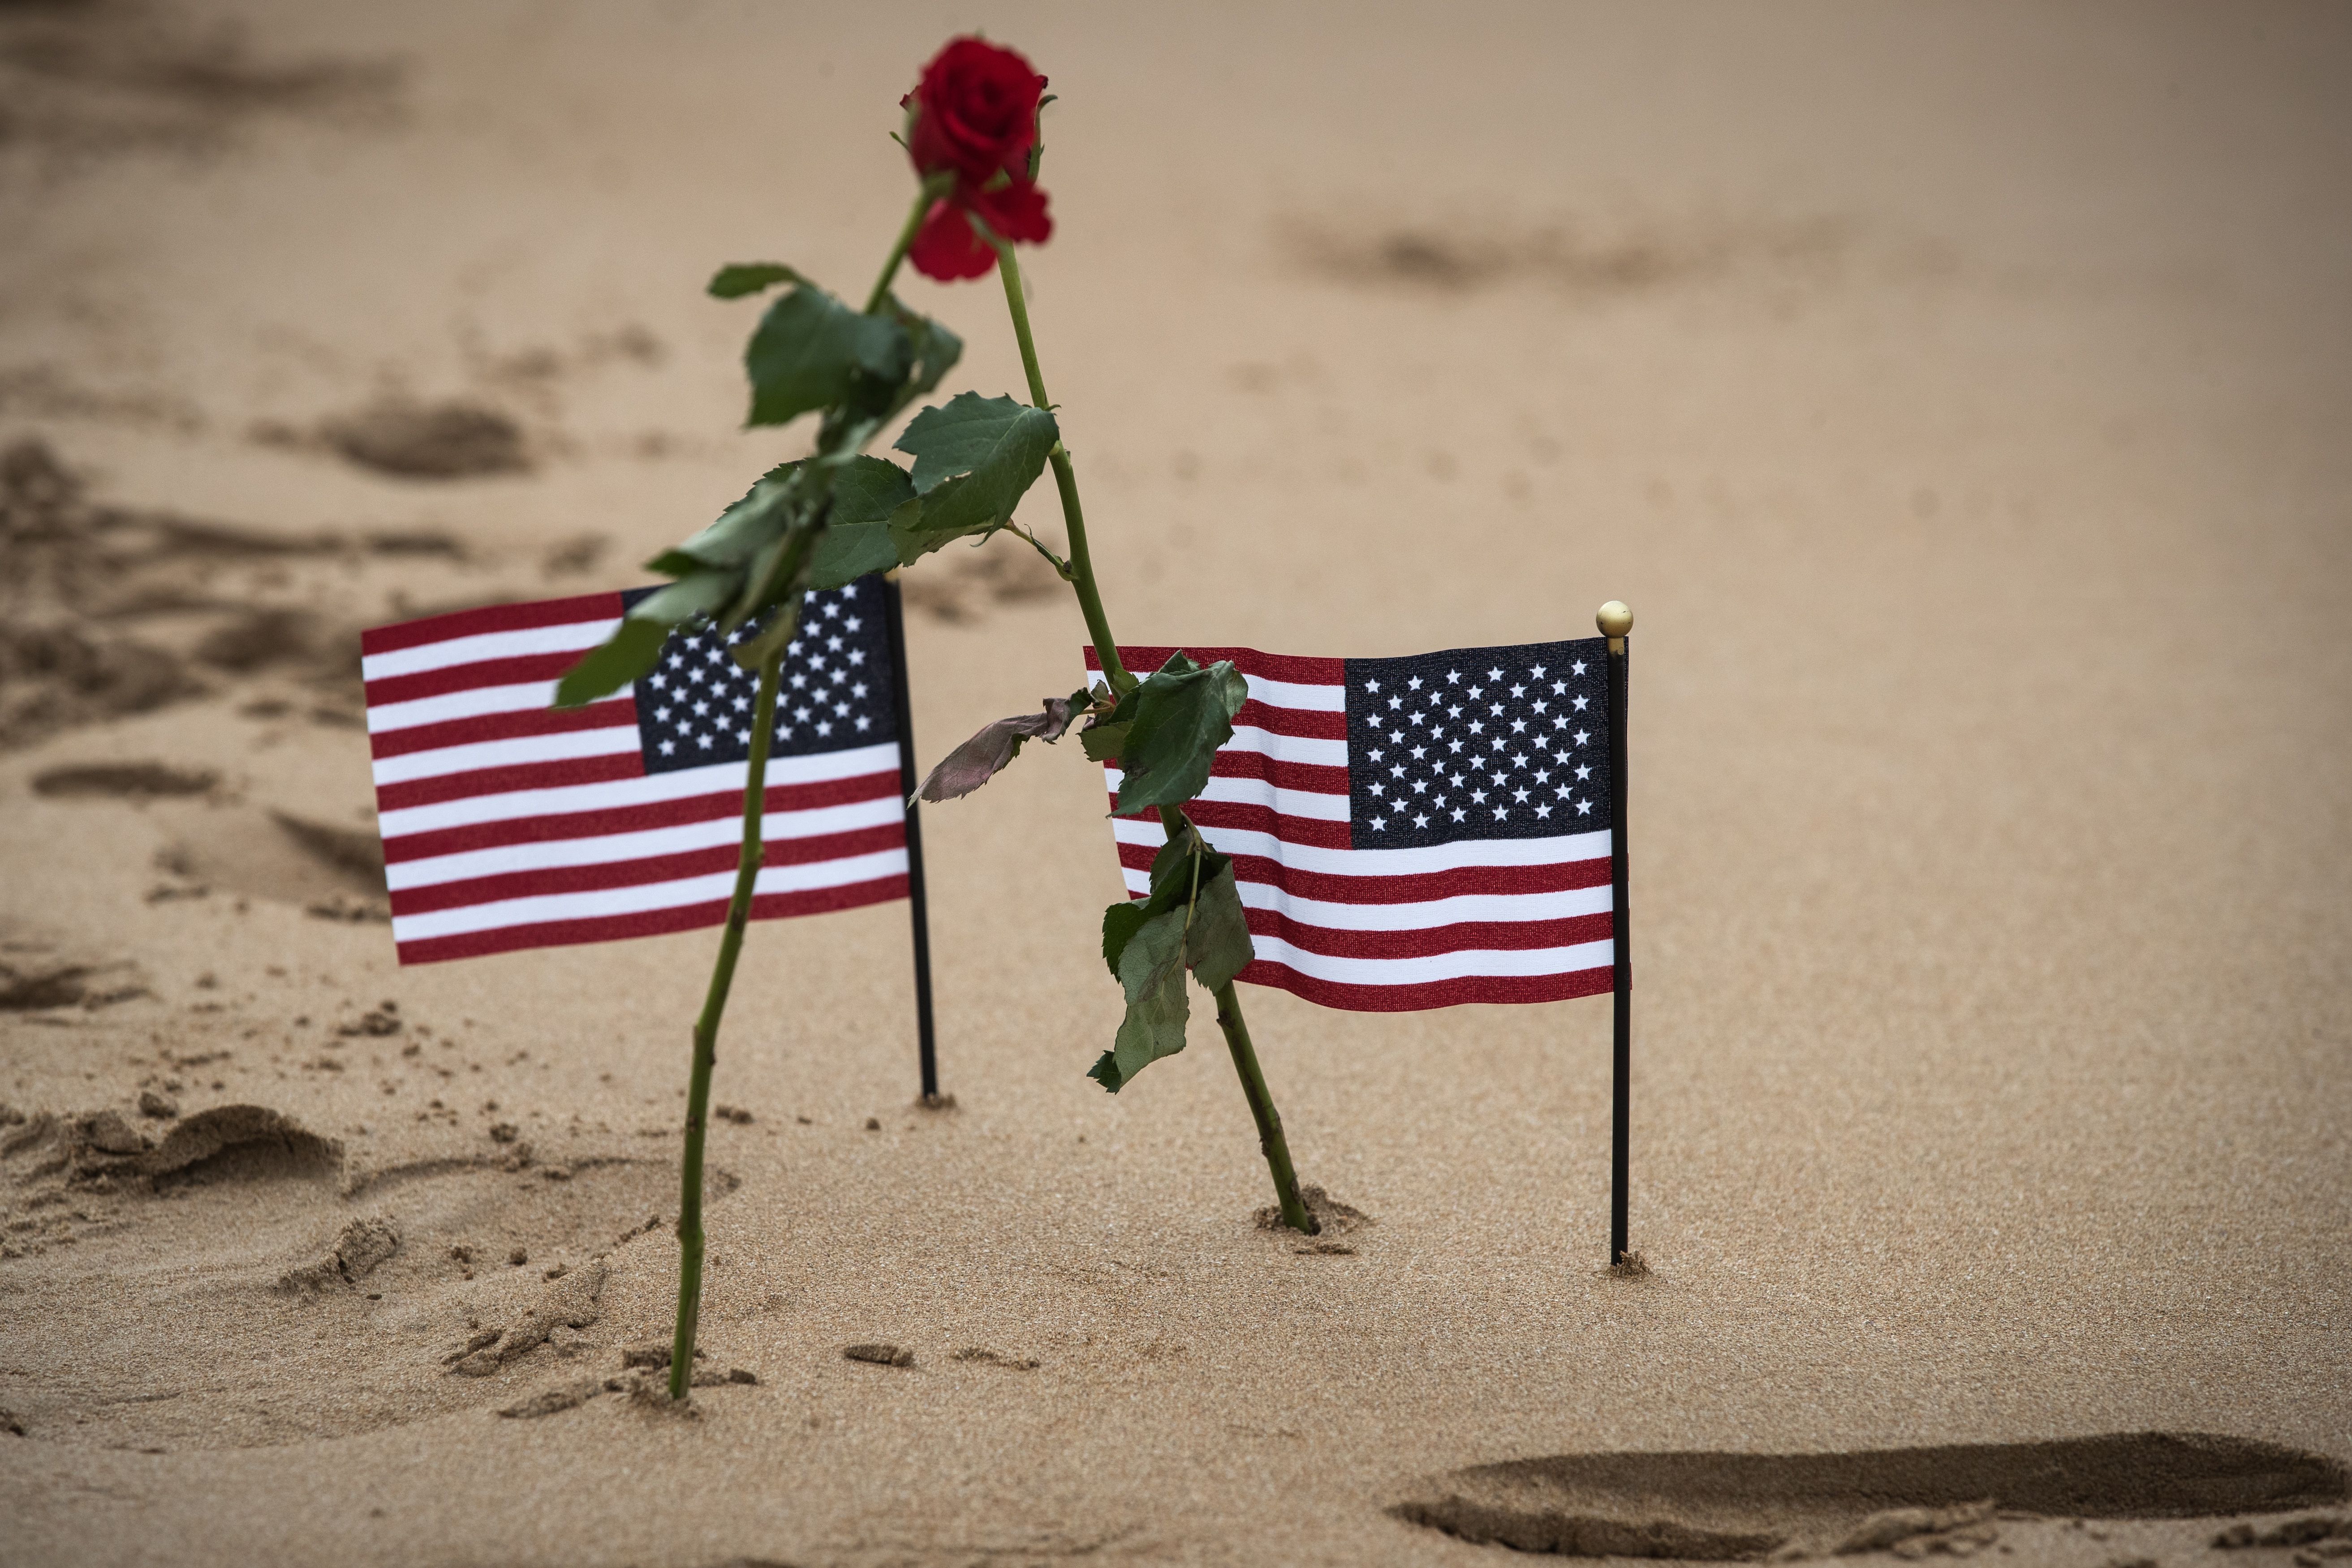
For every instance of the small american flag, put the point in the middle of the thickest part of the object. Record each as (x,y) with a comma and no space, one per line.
(508,823)
(1411,833)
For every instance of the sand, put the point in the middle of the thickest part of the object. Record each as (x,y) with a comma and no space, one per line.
(1957,394)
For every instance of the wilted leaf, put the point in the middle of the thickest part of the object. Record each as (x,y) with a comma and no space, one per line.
(986,754)
(632,650)
(813,352)
(1151,972)
(1217,945)
(1183,713)
(738,278)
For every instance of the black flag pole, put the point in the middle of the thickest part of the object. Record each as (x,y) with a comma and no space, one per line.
(1615,621)
(926,1044)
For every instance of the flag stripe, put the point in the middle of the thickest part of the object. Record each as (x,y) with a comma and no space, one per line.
(557,797)
(638,897)
(527,669)
(633,818)
(648,923)
(605,739)
(644,843)
(496,641)
(1469,936)
(512,725)
(1436,925)
(640,870)
(1135,859)
(1597,981)
(492,784)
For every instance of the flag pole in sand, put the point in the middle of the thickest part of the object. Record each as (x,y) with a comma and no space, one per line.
(926,1046)
(1615,621)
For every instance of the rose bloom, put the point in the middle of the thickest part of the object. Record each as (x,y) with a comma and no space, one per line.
(974,115)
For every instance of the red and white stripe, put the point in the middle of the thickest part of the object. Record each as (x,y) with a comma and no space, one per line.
(1371,931)
(508,823)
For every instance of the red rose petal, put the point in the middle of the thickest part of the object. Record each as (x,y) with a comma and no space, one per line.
(946,248)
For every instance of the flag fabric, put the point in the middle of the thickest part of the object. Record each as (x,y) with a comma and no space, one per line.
(509,823)
(1411,833)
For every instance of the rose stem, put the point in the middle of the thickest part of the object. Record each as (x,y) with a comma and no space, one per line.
(738,910)
(1172,820)
(705,1031)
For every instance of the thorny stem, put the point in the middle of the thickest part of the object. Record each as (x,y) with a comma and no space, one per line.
(739,906)
(705,1032)
(1082,578)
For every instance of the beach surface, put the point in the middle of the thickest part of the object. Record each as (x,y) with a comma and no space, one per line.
(1957,394)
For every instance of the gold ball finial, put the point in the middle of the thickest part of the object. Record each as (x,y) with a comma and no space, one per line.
(1615,619)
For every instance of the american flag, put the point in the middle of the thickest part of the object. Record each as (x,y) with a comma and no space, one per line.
(1411,833)
(508,823)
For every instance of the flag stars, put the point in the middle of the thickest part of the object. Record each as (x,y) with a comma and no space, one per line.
(1420,819)
(1583,808)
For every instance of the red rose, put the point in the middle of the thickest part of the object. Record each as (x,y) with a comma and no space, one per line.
(974,115)
(975,112)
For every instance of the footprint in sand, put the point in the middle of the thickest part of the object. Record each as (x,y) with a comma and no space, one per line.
(1948,1501)
(227,1280)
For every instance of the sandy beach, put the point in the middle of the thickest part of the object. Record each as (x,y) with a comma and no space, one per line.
(1957,394)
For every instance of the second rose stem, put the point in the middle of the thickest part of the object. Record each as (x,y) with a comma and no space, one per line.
(1270,1137)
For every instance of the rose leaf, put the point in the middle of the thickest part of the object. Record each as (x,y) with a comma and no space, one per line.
(811,352)
(1151,972)
(1217,944)
(1182,714)
(991,437)
(738,278)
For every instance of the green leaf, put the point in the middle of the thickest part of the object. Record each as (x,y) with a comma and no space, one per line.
(981,435)
(632,650)
(1101,742)
(688,598)
(1120,922)
(1151,972)
(868,490)
(738,278)
(1182,714)
(1217,945)
(811,352)
(936,352)
(848,551)
(740,532)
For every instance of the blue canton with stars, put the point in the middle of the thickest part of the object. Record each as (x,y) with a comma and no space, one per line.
(1481,742)
(695,708)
